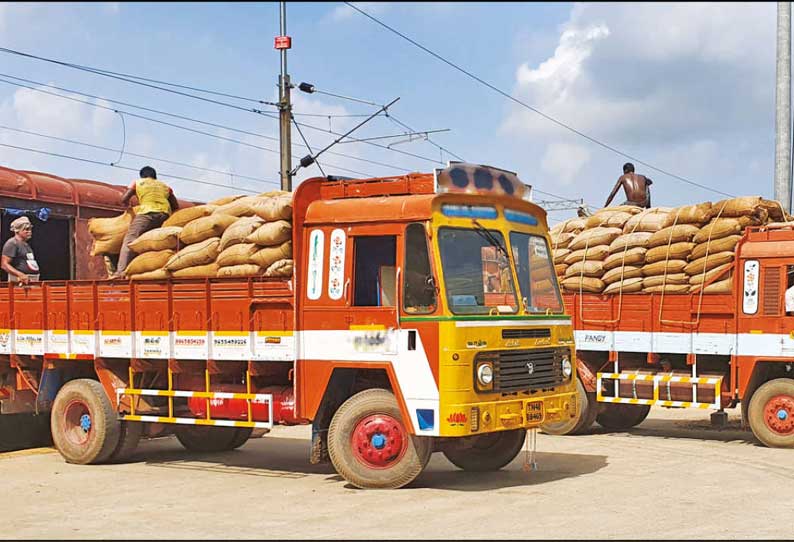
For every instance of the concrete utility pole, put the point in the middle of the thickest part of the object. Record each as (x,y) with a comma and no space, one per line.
(783,107)
(283,43)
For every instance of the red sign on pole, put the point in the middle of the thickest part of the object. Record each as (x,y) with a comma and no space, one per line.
(283,42)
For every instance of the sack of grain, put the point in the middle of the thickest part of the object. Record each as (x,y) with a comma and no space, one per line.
(201,253)
(240,207)
(668,289)
(237,232)
(560,255)
(165,238)
(632,256)
(748,206)
(622,273)
(585,284)
(707,263)
(630,240)
(273,194)
(699,214)
(559,269)
(608,219)
(108,233)
(659,268)
(626,286)
(239,254)
(205,228)
(702,278)
(587,268)
(561,240)
(157,274)
(557,229)
(723,244)
(720,287)
(682,233)
(224,200)
(574,225)
(209,270)
(596,253)
(631,209)
(272,209)
(649,220)
(594,237)
(281,268)
(148,261)
(242,270)
(271,233)
(717,229)
(184,216)
(676,251)
(659,280)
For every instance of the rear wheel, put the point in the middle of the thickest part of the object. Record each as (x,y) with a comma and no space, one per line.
(487,452)
(242,436)
(620,417)
(129,436)
(203,438)
(771,413)
(370,446)
(586,410)
(85,426)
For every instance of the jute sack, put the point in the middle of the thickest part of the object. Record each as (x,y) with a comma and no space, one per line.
(626,286)
(561,240)
(596,253)
(586,284)
(148,261)
(206,227)
(556,229)
(717,229)
(658,268)
(749,206)
(594,237)
(157,239)
(242,270)
(608,219)
(630,240)
(631,209)
(189,214)
(574,225)
(682,233)
(720,287)
(157,274)
(239,254)
(588,269)
(699,213)
(281,268)
(668,289)
(672,278)
(271,233)
(272,194)
(225,199)
(108,233)
(707,263)
(722,244)
(240,207)
(701,279)
(272,209)
(201,253)
(650,220)
(676,251)
(560,254)
(622,273)
(632,256)
(559,269)
(237,232)
(197,272)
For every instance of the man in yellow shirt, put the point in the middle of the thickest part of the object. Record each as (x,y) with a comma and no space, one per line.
(156,202)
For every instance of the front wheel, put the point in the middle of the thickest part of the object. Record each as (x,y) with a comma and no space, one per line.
(487,452)
(620,417)
(370,446)
(771,413)
(586,411)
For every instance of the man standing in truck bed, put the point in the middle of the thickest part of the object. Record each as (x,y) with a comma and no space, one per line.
(156,201)
(18,259)
(637,188)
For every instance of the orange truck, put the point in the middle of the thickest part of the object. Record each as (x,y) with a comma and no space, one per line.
(423,315)
(638,350)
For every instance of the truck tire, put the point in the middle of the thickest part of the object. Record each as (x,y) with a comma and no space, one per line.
(242,436)
(771,413)
(370,447)
(129,436)
(488,452)
(586,408)
(620,417)
(85,426)
(208,439)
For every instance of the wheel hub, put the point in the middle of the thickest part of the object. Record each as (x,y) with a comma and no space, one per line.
(77,422)
(779,414)
(379,441)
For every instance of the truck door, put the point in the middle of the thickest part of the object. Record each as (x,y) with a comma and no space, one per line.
(375,275)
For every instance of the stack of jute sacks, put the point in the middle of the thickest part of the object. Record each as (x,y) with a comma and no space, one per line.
(673,250)
(235,236)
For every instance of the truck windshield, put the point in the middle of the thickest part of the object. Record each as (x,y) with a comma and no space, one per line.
(535,273)
(476,271)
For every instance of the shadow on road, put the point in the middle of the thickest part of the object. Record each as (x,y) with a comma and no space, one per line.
(686,429)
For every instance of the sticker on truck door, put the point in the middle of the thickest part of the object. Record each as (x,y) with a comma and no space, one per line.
(314,279)
(750,296)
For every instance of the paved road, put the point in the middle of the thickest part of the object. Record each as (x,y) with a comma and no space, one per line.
(671,477)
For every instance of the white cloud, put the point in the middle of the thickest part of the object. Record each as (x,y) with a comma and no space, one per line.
(563,162)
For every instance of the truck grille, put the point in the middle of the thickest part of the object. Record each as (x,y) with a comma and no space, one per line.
(537,333)
(511,369)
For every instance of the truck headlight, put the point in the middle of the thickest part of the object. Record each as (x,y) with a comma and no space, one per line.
(485,374)
(567,367)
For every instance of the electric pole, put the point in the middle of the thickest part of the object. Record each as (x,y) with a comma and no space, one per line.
(783,107)
(283,43)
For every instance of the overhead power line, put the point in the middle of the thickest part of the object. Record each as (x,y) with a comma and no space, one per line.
(529,107)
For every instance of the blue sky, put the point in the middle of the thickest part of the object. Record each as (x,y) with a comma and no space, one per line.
(688,88)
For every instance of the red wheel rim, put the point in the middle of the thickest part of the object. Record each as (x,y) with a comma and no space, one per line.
(379,441)
(77,426)
(779,414)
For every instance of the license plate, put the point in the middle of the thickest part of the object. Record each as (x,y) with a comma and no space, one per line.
(535,412)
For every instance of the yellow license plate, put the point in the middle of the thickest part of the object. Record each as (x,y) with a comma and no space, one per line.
(535,412)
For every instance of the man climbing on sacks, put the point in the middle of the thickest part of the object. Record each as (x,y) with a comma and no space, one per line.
(156,202)
(637,188)
(18,259)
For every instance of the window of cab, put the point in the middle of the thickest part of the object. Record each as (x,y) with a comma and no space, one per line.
(520,217)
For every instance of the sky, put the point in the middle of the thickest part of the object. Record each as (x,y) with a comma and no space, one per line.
(685,88)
